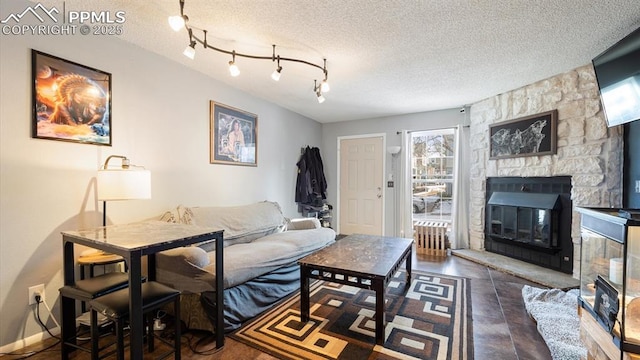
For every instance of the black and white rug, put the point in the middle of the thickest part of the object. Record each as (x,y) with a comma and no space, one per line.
(432,320)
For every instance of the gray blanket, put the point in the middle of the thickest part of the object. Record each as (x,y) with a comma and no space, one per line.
(556,315)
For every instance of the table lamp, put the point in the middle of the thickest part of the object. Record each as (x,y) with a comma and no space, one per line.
(126,182)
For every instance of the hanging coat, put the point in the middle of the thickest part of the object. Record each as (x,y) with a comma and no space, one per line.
(311,184)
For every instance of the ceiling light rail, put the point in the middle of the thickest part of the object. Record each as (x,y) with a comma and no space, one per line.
(178,22)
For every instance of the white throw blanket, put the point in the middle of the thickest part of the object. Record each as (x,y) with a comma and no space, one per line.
(556,314)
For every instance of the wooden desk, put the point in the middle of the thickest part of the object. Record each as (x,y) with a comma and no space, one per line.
(364,261)
(132,242)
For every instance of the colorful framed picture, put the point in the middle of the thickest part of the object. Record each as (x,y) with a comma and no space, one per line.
(528,136)
(71,102)
(234,136)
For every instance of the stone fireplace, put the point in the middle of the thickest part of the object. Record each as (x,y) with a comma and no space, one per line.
(588,153)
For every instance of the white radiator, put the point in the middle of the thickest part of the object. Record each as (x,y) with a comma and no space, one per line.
(431,237)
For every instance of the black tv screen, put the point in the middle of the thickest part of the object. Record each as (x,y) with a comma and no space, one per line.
(618,74)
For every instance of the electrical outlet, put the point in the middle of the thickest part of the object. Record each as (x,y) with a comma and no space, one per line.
(33,290)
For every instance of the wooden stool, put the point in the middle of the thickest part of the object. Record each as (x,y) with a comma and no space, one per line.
(97,259)
(87,290)
(115,306)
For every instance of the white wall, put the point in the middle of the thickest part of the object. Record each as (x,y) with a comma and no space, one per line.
(160,120)
(385,125)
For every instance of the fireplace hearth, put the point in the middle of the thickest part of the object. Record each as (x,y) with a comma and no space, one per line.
(529,219)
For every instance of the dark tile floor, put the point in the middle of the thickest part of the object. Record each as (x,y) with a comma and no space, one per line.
(502,330)
(501,327)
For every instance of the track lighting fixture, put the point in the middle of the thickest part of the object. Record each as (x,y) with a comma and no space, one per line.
(233,68)
(275,75)
(325,84)
(190,50)
(182,21)
(177,22)
(318,90)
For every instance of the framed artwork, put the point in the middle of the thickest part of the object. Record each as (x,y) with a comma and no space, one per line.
(71,102)
(606,304)
(528,136)
(234,136)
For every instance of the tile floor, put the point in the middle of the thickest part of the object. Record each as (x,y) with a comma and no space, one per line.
(502,330)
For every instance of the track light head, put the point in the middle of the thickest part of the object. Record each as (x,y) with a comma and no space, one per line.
(177,22)
(275,75)
(318,90)
(190,50)
(325,86)
(233,69)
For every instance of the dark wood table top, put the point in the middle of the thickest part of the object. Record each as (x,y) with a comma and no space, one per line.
(366,254)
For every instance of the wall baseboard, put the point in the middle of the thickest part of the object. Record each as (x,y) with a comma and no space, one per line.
(17,345)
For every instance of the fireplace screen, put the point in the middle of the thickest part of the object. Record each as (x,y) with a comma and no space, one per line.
(526,219)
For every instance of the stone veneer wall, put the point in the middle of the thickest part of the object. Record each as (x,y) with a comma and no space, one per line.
(587,150)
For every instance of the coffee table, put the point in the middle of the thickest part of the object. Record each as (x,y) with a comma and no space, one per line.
(364,261)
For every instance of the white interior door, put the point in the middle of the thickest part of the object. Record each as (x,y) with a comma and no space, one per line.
(361,185)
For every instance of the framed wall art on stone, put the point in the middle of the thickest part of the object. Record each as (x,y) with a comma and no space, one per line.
(234,136)
(527,136)
(71,102)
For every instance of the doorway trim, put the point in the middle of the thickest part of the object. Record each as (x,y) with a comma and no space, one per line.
(384,170)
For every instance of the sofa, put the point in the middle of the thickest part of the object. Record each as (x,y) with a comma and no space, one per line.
(261,250)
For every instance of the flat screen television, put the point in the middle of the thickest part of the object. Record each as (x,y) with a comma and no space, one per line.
(618,73)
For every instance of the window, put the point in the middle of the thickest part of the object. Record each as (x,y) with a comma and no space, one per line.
(432,168)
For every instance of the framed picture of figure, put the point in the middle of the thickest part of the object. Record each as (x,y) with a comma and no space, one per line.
(234,136)
(71,102)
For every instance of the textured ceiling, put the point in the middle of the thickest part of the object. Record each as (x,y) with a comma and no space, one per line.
(384,57)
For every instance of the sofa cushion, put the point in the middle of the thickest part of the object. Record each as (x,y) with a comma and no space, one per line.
(303,224)
(243,262)
(241,224)
(191,254)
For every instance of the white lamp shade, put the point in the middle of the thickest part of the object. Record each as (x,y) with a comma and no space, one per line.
(124,184)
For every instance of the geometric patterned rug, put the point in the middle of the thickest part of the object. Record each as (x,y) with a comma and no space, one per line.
(430,320)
